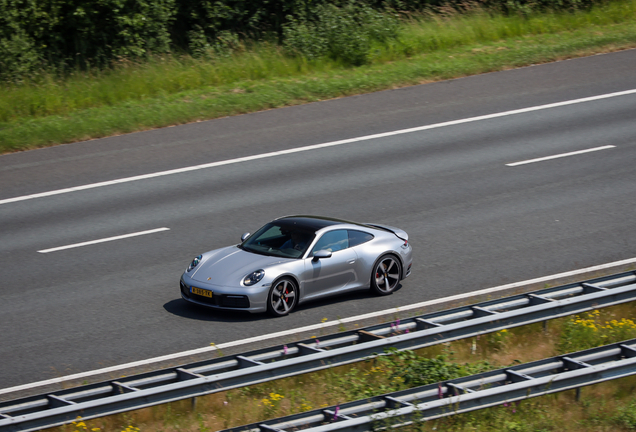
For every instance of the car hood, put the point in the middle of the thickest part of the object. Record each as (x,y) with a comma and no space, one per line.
(228,266)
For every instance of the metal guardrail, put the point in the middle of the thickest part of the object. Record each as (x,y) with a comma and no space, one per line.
(465,394)
(201,378)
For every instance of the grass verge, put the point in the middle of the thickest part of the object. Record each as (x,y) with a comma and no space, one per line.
(170,91)
(609,406)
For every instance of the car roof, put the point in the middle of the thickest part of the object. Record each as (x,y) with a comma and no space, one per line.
(315,223)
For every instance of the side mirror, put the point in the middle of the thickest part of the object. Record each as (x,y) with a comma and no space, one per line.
(245,236)
(321,254)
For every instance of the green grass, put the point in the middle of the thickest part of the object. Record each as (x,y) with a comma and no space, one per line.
(175,90)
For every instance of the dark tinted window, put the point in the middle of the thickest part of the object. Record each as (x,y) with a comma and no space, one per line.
(281,241)
(358,237)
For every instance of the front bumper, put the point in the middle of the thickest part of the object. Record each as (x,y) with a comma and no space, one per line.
(251,299)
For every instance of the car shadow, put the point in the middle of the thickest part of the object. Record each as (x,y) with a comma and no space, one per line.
(182,308)
(361,295)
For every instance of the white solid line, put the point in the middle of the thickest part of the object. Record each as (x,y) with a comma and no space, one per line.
(545,158)
(314,327)
(76,245)
(315,147)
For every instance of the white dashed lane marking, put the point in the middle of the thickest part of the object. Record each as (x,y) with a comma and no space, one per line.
(92,242)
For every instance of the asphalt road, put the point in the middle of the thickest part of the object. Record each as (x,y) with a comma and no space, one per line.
(474,221)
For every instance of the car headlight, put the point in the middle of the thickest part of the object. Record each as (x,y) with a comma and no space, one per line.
(253,277)
(195,262)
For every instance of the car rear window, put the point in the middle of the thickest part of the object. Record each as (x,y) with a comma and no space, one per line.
(358,237)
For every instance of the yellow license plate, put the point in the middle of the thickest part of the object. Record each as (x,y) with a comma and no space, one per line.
(202,292)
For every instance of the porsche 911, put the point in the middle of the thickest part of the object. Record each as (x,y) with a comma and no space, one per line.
(295,259)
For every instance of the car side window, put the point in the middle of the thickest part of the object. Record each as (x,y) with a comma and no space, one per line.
(358,237)
(332,241)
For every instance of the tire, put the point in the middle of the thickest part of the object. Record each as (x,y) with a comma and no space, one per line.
(282,297)
(386,275)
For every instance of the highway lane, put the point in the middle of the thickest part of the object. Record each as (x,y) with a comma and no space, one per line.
(169,148)
(474,221)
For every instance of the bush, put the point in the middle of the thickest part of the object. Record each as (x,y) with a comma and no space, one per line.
(63,35)
(18,56)
(424,371)
(344,34)
(67,34)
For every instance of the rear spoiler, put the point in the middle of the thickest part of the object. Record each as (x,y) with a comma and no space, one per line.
(398,232)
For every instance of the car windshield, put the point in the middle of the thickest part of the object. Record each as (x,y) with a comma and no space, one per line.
(279,240)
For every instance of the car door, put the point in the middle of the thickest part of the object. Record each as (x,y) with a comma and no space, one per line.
(330,275)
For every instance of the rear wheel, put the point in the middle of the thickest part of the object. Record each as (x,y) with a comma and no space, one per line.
(386,275)
(282,298)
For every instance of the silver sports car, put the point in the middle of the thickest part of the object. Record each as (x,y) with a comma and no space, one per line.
(295,259)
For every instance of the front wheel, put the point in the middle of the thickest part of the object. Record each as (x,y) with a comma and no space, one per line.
(282,298)
(386,275)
